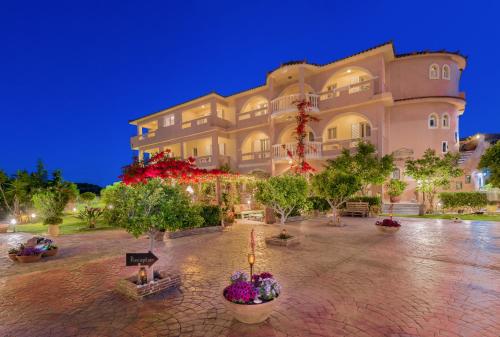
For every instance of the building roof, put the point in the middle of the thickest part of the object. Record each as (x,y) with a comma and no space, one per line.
(295,62)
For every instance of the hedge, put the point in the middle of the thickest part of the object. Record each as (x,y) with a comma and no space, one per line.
(372,201)
(319,204)
(456,200)
(211,214)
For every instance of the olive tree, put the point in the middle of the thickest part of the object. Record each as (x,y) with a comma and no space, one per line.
(336,187)
(283,194)
(491,161)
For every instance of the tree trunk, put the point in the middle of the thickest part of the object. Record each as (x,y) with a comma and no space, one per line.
(152,236)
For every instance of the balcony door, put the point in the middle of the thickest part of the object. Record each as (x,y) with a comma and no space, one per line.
(360,130)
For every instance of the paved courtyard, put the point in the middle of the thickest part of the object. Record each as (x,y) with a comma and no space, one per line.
(432,278)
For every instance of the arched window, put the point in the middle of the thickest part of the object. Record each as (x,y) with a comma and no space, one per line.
(434,72)
(445,121)
(433,121)
(446,72)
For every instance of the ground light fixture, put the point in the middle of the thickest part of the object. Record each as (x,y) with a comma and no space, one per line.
(13,222)
(251,262)
(189,189)
(33,215)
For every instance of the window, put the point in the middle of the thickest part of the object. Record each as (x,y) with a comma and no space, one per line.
(222,149)
(195,152)
(444,146)
(433,121)
(310,136)
(169,120)
(445,122)
(458,185)
(396,174)
(366,130)
(332,133)
(446,72)
(434,72)
(468,179)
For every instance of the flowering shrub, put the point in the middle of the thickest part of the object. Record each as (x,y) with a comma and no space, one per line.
(29,251)
(388,223)
(262,287)
(240,292)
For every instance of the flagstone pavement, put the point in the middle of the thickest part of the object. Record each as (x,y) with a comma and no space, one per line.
(432,278)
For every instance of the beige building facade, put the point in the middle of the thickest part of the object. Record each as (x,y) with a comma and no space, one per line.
(403,104)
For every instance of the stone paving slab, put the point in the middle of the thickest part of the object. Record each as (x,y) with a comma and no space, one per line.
(432,278)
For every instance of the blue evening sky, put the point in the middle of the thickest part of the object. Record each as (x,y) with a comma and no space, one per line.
(73,73)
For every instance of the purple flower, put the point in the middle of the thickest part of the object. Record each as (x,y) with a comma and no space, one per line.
(240,292)
(29,251)
(388,223)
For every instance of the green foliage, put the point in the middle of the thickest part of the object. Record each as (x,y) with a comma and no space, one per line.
(318,203)
(90,215)
(458,200)
(396,187)
(152,206)
(87,197)
(491,161)
(432,172)
(365,164)
(372,201)
(335,187)
(50,205)
(283,194)
(211,214)
(110,196)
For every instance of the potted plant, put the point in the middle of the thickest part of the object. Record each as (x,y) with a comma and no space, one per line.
(12,253)
(388,225)
(251,301)
(29,254)
(50,204)
(395,188)
(50,250)
(4,227)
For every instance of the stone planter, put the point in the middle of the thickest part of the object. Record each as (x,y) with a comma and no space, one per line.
(250,313)
(28,259)
(53,230)
(395,199)
(51,252)
(13,257)
(193,231)
(277,241)
(387,229)
(4,227)
(129,288)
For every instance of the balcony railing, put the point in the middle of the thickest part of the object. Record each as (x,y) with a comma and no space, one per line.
(195,122)
(288,103)
(255,155)
(253,113)
(335,147)
(283,151)
(348,89)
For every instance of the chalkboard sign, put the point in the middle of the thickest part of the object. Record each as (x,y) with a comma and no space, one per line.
(143,259)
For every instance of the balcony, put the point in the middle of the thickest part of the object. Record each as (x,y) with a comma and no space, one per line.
(142,139)
(334,148)
(348,95)
(285,104)
(249,118)
(312,150)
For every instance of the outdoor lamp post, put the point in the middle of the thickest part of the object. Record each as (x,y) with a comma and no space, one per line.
(142,277)
(251,262)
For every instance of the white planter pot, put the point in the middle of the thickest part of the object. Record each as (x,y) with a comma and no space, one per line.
(250,313)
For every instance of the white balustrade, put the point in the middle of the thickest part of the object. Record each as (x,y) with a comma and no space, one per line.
(283,151)
(289,102)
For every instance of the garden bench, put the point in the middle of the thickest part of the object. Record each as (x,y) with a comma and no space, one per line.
(244,212)
(356,208)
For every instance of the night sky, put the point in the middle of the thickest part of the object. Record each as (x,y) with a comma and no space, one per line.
(73,73)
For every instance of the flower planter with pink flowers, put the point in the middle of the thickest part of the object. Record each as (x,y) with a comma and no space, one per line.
(251,301)
(388,226)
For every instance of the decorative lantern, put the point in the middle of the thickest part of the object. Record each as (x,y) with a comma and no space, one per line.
(251,262)
(142,277)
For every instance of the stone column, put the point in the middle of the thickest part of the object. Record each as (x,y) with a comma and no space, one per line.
(215,150)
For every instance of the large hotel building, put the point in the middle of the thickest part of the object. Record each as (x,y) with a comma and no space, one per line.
(401,103)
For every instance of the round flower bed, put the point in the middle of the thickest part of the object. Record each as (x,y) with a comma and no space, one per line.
(34,249)
(251,301)
(388,225)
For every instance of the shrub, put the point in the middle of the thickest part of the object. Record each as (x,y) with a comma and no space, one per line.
(211,214)
(372,201)
(396,187)
(460,200)
(87,197)
(90,215)
(111,196)
(318,204)
(50,205)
